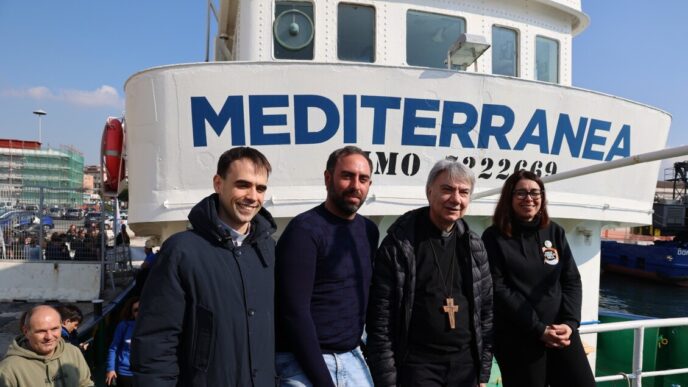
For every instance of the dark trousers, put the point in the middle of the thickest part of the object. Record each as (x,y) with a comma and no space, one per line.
(531,364)
(458,371)
(124,381)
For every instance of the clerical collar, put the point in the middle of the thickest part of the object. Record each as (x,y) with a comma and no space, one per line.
(458,229)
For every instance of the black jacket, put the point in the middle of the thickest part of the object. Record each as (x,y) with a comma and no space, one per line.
(530,293)
(207,307)
(392,295)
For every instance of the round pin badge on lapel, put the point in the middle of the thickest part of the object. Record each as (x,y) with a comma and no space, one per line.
(550,254)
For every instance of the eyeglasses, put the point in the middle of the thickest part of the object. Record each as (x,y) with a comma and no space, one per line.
(522,193)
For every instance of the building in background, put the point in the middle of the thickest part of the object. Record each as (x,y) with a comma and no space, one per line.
(26,170)
(93,183)
(88,183)
(97,177)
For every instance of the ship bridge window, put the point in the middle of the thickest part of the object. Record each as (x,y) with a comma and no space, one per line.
(546,59)
(429,36)
(293,30)
(356,33)
(504,51)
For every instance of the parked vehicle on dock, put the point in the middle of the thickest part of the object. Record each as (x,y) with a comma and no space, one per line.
(31,207)
(25,220)
(74,214)
(91,218)
(57,212)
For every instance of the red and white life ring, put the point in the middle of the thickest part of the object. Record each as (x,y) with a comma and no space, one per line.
(111,152)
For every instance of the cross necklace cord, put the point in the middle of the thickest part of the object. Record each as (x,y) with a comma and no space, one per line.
(449,308)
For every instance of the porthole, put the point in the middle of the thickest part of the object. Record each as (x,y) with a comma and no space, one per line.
(293,29)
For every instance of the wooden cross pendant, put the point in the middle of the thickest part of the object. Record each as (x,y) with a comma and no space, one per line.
(450,309)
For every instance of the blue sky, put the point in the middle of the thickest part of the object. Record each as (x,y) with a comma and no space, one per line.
(71,59)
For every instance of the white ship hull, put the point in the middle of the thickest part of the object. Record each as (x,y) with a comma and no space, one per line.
(408,118)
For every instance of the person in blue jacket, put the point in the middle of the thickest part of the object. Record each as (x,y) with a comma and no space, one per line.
(71,317)
(118,355)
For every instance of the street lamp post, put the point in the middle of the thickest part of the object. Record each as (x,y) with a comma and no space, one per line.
(40,113)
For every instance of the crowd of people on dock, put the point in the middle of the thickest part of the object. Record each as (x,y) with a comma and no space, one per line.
(76,243)
(328,305)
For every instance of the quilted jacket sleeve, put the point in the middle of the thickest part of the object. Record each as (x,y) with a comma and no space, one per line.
(486,310)
(380,349)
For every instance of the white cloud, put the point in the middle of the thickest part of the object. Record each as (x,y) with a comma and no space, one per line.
(103,96)
(40,92)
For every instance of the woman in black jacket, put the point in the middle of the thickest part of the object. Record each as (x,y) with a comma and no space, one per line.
(537,291)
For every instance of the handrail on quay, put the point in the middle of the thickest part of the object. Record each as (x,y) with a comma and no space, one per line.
(638,326)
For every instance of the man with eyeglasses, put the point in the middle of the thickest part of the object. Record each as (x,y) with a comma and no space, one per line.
(430,311)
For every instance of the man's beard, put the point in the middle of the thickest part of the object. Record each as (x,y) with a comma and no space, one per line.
(339,200)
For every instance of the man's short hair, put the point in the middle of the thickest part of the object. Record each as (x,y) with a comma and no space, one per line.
(456,171)
(150,243)
(22,321)
(29,313)
(70,312)
(346,151)
(243,152)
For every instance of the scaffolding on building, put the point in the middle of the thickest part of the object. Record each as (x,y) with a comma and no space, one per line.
(22,169)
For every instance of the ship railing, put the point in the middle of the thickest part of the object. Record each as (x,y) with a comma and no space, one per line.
(638,326)
(117,259)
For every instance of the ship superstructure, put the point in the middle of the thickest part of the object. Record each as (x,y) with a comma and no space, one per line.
(412,82)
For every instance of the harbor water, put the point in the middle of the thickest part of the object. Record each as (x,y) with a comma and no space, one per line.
(626,294)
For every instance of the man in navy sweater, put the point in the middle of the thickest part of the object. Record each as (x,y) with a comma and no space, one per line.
(322,276)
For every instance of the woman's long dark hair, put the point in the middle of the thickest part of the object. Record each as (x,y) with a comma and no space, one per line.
(504,212)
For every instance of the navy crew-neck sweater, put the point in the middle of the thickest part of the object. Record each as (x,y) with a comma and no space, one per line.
(322,276)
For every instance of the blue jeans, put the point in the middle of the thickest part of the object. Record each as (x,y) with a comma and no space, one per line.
(347,369)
